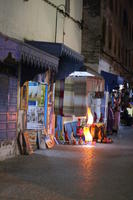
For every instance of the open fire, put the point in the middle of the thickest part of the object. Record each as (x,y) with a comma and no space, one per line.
(87,134)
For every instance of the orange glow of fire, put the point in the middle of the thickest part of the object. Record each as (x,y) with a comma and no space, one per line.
(87,134)
(90,117)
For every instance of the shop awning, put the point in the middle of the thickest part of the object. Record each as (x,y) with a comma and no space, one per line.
(70,60)
(13,51)
(111,80)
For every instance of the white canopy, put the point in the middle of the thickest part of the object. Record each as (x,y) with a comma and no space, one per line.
(81,73)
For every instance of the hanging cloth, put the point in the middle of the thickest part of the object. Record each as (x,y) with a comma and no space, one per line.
(59,96)
(80,96)
(68,105)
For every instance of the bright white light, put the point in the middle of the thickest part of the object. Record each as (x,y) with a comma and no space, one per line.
(78,73)
(121,87)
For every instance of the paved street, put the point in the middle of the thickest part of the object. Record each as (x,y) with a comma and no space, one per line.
(103,172)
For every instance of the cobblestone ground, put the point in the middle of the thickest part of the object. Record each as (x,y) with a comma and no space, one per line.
(103,172)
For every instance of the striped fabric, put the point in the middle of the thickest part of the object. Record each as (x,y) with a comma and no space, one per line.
(80,96)
(75,97)
(59,96)
(68,105)
(71,96)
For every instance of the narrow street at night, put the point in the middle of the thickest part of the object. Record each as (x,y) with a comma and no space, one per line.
(66,172)
(66,99)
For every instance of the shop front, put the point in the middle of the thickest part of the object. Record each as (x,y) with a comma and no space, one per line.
(80,118)
(117,98)
(19,64)
(69,61)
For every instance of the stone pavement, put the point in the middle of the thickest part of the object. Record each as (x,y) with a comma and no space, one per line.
(103,172)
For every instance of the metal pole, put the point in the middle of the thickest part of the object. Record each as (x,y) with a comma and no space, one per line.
(56,24)
(63,29)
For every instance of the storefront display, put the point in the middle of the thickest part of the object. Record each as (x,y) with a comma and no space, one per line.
(28,144)
(20,63)
(36,102)
(24,96)
(35,118)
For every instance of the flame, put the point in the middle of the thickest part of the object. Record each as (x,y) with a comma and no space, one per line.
(90,117)
(87,134)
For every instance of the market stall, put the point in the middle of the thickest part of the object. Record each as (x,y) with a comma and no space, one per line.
(79,103)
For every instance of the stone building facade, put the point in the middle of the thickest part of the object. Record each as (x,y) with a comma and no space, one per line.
(107,40)
(91,33)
